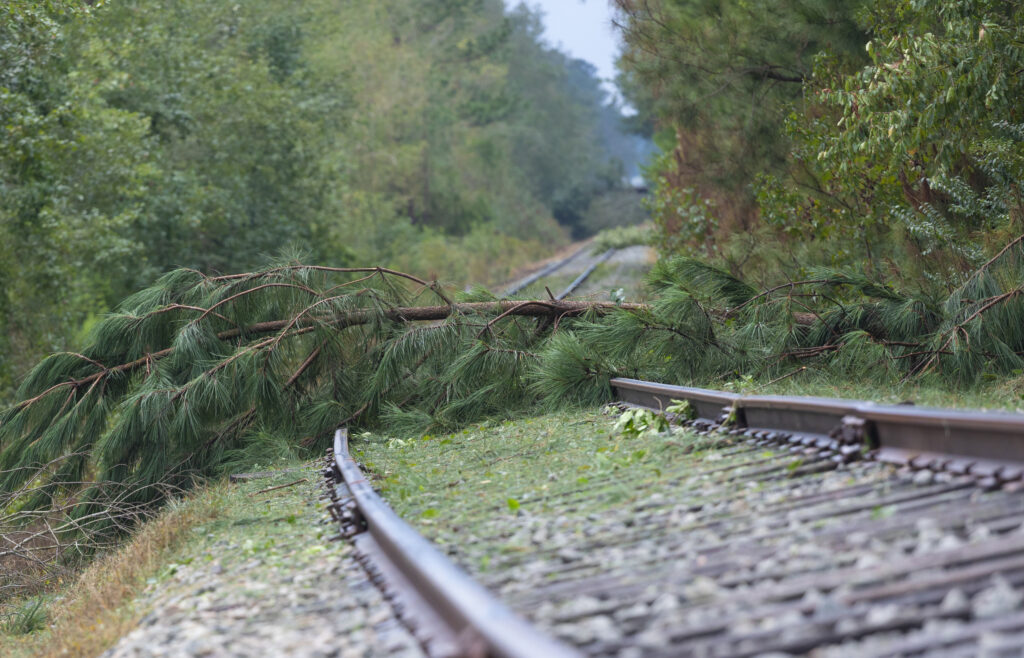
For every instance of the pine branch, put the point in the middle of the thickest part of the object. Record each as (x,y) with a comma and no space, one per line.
(305,364)
(988,304)
(336,270)
(534,308)
(1016,241)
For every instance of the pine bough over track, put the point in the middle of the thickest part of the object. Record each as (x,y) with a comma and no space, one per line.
(799,526)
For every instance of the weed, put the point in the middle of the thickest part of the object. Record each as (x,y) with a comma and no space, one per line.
(682,408)
(637,422)
(29,618)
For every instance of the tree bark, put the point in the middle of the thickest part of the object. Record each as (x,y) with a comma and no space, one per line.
(528,308)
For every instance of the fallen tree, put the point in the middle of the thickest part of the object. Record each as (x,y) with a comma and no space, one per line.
(199,372)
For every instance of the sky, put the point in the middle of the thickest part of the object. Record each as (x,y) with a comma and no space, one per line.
(582,28)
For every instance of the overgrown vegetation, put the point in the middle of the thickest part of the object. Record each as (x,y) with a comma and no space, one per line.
(198,372)
(440,137)
(712,82)
(881,137)
(91,608)
(622,237)
(201,373)
(88,612)
(46,535)
(705,325)
(882,239)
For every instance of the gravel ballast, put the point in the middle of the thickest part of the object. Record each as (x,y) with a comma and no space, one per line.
(714,546)
(263,579)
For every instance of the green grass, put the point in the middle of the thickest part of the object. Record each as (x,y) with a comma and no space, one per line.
(448,484)
(28,617)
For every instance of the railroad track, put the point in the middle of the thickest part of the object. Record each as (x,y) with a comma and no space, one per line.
(554,267)
(787,526)
(449,613)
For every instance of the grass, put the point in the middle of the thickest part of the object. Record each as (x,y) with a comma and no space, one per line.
(26,618)
(90,615)
(997,393)
(448,484)
(93,612)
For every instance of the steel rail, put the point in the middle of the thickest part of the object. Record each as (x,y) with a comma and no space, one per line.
(451,614)
(550,268)
(710,406)
(578,281)
(986,444)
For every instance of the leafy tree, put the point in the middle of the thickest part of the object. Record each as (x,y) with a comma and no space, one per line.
(716,79)
(902,158)
(919,152)
(140,137)
(72,173)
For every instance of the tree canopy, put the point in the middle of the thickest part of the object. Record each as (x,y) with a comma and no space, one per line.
(880,136)
(443,137)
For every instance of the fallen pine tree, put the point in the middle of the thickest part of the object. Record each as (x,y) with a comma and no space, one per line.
(200,374)
(197,371)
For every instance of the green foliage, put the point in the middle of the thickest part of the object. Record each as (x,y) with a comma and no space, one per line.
(73,173)
(137,137)
(715,80)
(891,147)
(684,222)
(199,374)
(913,156)
(28,618)
(637,422)
(622,237)
(682,408)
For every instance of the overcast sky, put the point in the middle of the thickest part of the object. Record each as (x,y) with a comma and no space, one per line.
(583,28)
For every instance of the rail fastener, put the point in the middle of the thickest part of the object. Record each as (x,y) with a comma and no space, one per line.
(987,445)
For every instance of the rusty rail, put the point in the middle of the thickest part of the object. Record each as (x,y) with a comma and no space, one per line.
(450,614)
(987,445)
(745,551)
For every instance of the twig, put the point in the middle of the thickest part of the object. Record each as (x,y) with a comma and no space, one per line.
(808,352)
(988,263)
(779,379)
(280,486)
(769,291)
(305,364)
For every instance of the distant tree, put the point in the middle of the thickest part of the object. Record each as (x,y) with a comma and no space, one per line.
(717,80)
(73,174)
